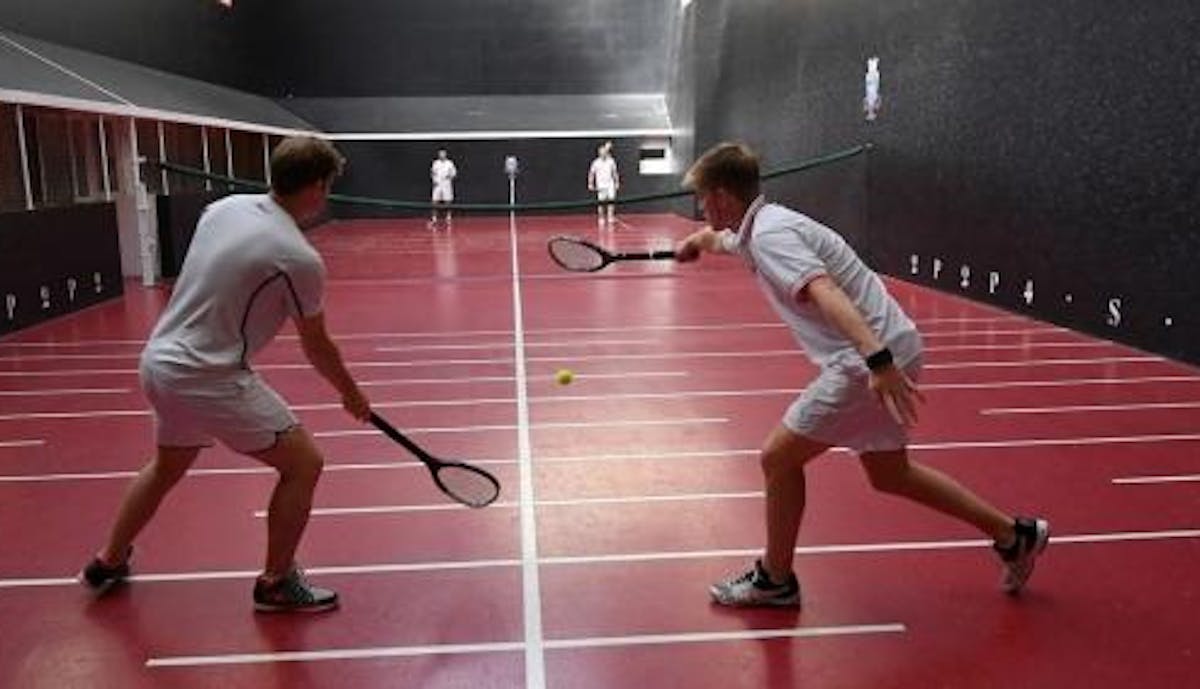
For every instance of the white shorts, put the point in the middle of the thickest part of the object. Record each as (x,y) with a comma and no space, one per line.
(192,408)
(839,408)
(443,192)
(606,193)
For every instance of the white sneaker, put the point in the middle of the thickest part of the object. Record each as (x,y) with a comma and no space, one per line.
(1021,556)
(755,589)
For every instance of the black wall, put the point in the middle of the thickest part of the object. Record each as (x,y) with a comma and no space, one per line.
(317,48)
(39,279)
(193,38)
(552,170)
(1050,142)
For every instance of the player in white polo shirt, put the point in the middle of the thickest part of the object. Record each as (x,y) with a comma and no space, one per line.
(248,270)
(442,172)
(604,180)
(865,396)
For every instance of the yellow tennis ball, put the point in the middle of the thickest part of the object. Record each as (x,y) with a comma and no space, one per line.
(564,376)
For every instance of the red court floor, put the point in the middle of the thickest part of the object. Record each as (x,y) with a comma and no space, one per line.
(625,493)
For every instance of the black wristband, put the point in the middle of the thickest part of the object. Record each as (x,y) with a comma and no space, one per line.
(880,359)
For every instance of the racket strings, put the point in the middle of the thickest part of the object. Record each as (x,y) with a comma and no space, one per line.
(468,485)
(575,255)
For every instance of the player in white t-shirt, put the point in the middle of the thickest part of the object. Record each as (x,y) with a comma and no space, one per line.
(442,172)
(248,270)
(605,181)
(864,398)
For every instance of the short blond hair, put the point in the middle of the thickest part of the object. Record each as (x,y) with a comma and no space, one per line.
(729,166)
(298,161)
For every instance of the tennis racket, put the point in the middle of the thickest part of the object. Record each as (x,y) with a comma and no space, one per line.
(581,256)
(467,484)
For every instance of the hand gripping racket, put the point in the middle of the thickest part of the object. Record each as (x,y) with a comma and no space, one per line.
(467,484)
(582,256)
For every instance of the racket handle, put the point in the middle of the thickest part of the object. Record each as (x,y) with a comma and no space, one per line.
(396,435)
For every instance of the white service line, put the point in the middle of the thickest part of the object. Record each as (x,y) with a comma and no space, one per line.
(579,377)
(22,443)
(625,558)
(1149,480)
(610,357)
(692,455)
(375,652)
(554,424)
(577,502)
(1058,383)
(1047,362)
(1090,408)
(531,592)
(55,392)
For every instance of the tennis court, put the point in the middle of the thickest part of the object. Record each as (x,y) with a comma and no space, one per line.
(1053,297)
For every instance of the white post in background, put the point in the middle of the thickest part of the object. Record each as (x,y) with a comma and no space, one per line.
(24,160)
(207,161)
(162,158)
(511,168)
(267,158)
(137,216)
(229,157)
(104,159)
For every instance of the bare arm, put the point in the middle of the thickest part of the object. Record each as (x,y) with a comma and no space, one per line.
(323,354)
(895,390)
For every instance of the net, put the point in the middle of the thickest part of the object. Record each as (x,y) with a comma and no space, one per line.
(470,486)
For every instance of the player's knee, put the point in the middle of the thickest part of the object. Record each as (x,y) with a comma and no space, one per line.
(775,462)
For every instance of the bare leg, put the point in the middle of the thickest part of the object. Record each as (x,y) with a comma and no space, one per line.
(892,472)
(299,463)
(783,460)
(143,497)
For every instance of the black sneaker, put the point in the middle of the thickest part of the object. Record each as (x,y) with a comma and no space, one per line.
(292,593)
(1021,556)
(755,589)
(101,577)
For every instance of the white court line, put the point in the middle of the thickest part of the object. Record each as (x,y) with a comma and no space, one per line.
(375,652)
(577,502)
(53,392)
(1148,480)
(132,356)
(1065,382)
(1088,408)
(624,558)
(21,443)
(770,325)
(640,456)
(613,357)
(553,424)
(579,377)
(619,396)
(531,593)
(1048,362)
(490,346)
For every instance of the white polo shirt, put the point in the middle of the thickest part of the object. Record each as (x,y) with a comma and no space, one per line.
(604,173)
(248,269)
(443,172)
(786,251)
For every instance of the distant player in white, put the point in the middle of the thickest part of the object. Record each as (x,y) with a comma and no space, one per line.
(604,180)
(442,172)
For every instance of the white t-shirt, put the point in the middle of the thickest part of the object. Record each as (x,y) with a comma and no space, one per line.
(442,171)
(786,251)
(603,173)
(248,269)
